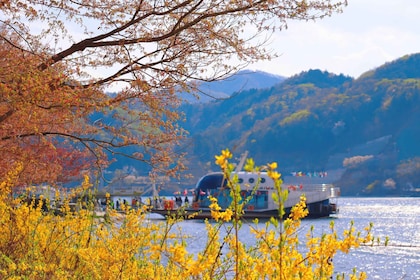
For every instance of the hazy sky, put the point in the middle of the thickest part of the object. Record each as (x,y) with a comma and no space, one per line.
(366,35)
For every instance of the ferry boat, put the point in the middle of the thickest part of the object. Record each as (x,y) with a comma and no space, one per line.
(320,198)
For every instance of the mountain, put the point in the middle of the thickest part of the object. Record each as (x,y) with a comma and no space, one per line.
(363,131)
(404,68)
(222,89)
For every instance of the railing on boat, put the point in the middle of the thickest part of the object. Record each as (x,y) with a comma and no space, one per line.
(313,193)
(321,188)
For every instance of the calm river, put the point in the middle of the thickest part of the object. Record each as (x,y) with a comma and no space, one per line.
(397,218)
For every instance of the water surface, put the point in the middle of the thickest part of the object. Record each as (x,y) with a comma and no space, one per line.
(396,218)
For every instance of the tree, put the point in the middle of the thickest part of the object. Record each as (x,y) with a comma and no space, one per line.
(61,57)
(39,117)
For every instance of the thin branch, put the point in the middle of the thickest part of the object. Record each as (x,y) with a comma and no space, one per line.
(6,115)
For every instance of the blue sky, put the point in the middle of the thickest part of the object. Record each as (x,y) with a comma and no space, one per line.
(366,35)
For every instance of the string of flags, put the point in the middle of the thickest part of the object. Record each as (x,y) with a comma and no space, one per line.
(185,192)
(192,191)
(309,174)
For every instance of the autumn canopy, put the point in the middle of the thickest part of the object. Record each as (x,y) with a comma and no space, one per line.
(81,81)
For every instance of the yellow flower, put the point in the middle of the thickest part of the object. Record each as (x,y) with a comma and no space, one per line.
(273,175)
(227,154)
(86,184)
(214,205)
(250,165)
(222,160)
(227,215)
(272,165)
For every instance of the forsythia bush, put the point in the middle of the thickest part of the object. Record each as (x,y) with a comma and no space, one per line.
(39,244)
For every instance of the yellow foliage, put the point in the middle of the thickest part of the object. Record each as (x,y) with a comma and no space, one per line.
(37,244)
(302,114)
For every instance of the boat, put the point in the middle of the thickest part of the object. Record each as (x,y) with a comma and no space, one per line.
(321,199)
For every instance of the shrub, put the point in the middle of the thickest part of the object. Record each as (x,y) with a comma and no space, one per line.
(37,244)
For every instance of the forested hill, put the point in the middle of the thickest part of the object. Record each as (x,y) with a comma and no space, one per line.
(364,131)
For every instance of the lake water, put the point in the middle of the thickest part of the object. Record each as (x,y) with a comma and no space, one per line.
(397,218)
